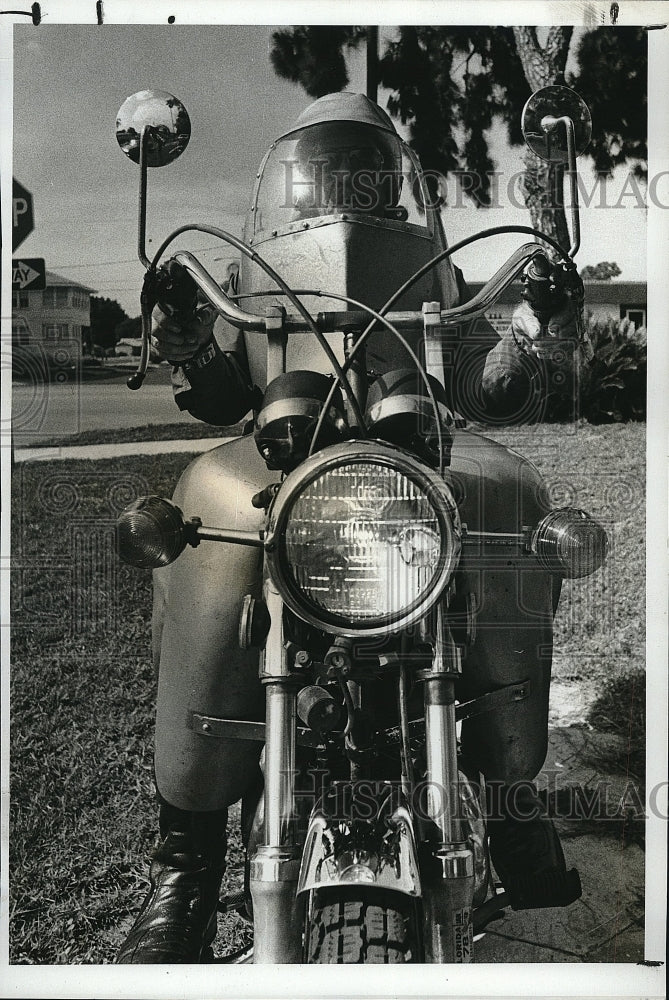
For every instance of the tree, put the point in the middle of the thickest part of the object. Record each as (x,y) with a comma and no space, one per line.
(128,328)
(106,314)
(544,66)
(313,56)
(450,83)
(603,271)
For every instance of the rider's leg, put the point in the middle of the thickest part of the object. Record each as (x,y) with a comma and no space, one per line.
(202,668)
(177,921)
(516,600)
(197,605)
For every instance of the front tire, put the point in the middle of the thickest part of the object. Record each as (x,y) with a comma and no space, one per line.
(348,930)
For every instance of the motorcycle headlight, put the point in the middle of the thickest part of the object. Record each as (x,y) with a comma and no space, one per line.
(570,542)
(362,538)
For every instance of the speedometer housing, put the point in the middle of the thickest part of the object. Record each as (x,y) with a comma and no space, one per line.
(362,538)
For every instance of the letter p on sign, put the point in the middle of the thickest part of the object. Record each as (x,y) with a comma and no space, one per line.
(22,214)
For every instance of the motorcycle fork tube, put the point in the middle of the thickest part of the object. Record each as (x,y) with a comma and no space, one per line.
(449,885)
(277,913)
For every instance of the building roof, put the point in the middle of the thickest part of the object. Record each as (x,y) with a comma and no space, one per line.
(53,279)
(596,292)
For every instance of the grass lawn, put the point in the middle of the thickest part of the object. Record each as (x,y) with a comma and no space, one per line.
(82,685)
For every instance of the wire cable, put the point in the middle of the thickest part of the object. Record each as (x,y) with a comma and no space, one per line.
(393,329)
(303,311)
(443,255)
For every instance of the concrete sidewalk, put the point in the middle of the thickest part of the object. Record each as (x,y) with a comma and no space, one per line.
(607,923)
(93,452)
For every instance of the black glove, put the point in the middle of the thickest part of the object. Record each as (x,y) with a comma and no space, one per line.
(549,322)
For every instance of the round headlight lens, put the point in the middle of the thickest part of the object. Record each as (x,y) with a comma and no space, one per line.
(365,542)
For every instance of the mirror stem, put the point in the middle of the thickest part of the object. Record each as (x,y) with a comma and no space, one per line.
(135,381)
(573,181)
(143,167)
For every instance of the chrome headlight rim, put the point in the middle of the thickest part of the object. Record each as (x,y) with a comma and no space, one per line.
(369,452)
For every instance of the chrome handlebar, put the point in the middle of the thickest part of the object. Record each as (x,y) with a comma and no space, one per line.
(331,321)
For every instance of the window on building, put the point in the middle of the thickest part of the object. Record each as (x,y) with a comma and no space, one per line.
(635,314)
(20,300)
(79,299)
(55,298)
(55,331)
(20,332)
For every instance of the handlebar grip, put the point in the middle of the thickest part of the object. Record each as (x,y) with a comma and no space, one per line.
(547,285)
(175,290)
(537,286)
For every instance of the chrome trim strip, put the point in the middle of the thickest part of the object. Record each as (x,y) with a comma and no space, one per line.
(392,406)
(295,406)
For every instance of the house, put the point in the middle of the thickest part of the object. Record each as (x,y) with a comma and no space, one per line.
(603,300)
(56,320)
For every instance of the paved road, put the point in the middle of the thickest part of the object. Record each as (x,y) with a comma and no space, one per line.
(96,452)
(55,409)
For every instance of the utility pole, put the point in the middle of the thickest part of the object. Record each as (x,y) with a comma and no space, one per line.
(372,61)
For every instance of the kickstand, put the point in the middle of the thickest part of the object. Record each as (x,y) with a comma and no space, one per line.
(491,910)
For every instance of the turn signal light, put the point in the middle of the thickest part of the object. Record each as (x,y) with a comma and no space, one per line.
(151,532)
(570,542)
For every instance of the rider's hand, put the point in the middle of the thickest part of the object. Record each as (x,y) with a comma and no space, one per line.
(176,338)
(554,340)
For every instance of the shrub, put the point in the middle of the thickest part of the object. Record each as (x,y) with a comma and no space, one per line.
(613,386)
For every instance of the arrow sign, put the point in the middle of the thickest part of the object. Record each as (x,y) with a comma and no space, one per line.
(23,221)
(28,274)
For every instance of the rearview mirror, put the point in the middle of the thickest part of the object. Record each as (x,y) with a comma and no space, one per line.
(543,123)
(164,121)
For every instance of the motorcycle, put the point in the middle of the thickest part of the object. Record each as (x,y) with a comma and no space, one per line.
(369,840)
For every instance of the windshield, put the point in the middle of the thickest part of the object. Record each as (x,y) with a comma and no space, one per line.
(334,168)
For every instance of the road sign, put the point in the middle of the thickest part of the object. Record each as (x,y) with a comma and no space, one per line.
(23,222)
(28,274)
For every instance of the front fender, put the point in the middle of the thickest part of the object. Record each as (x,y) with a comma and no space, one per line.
(323,864)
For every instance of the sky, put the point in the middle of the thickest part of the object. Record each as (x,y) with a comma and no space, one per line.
(69,82)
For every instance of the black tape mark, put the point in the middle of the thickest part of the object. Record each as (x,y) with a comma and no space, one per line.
(34,12)
(171,19)
(613,13)
(99,12)
(652,965)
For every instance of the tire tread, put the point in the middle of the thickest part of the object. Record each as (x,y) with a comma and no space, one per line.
(345,932)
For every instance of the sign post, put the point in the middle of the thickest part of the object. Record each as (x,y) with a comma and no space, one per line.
(23,221)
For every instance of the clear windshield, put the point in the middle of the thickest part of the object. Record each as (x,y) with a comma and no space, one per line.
(334,168)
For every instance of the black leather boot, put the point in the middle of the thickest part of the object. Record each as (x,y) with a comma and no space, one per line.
(527,854)
(177,921)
